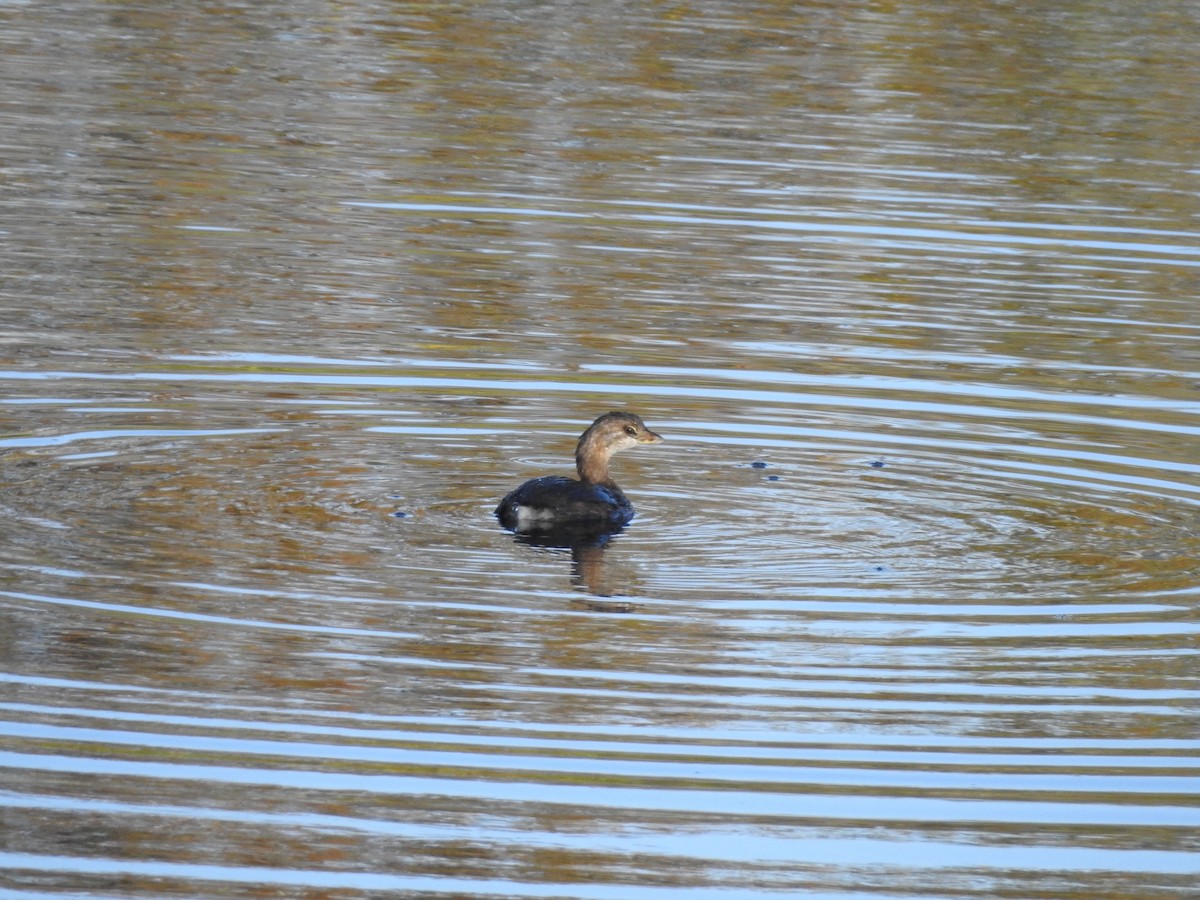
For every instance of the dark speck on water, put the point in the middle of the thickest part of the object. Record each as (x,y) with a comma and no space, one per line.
(877,464)
(772,478)
(758,464)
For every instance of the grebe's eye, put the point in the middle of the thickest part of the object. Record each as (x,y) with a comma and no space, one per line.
(631,431)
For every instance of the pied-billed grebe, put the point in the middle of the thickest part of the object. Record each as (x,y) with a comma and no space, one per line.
(594,502)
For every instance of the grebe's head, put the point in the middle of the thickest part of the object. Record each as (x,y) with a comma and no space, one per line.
(616,431)
(609,434)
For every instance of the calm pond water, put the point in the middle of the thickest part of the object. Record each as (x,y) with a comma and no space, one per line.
(292,293)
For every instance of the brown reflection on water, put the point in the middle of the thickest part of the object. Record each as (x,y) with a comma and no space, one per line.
(264,122)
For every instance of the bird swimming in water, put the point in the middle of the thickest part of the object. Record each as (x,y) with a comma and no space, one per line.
(593,503)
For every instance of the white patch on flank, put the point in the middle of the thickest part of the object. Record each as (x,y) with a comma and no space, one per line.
(532,515)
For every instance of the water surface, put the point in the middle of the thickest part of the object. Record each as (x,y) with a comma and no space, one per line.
(293,293)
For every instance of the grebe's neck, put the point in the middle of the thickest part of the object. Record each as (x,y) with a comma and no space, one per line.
(591,459)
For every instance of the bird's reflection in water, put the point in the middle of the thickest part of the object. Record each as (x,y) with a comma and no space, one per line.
(587,561)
